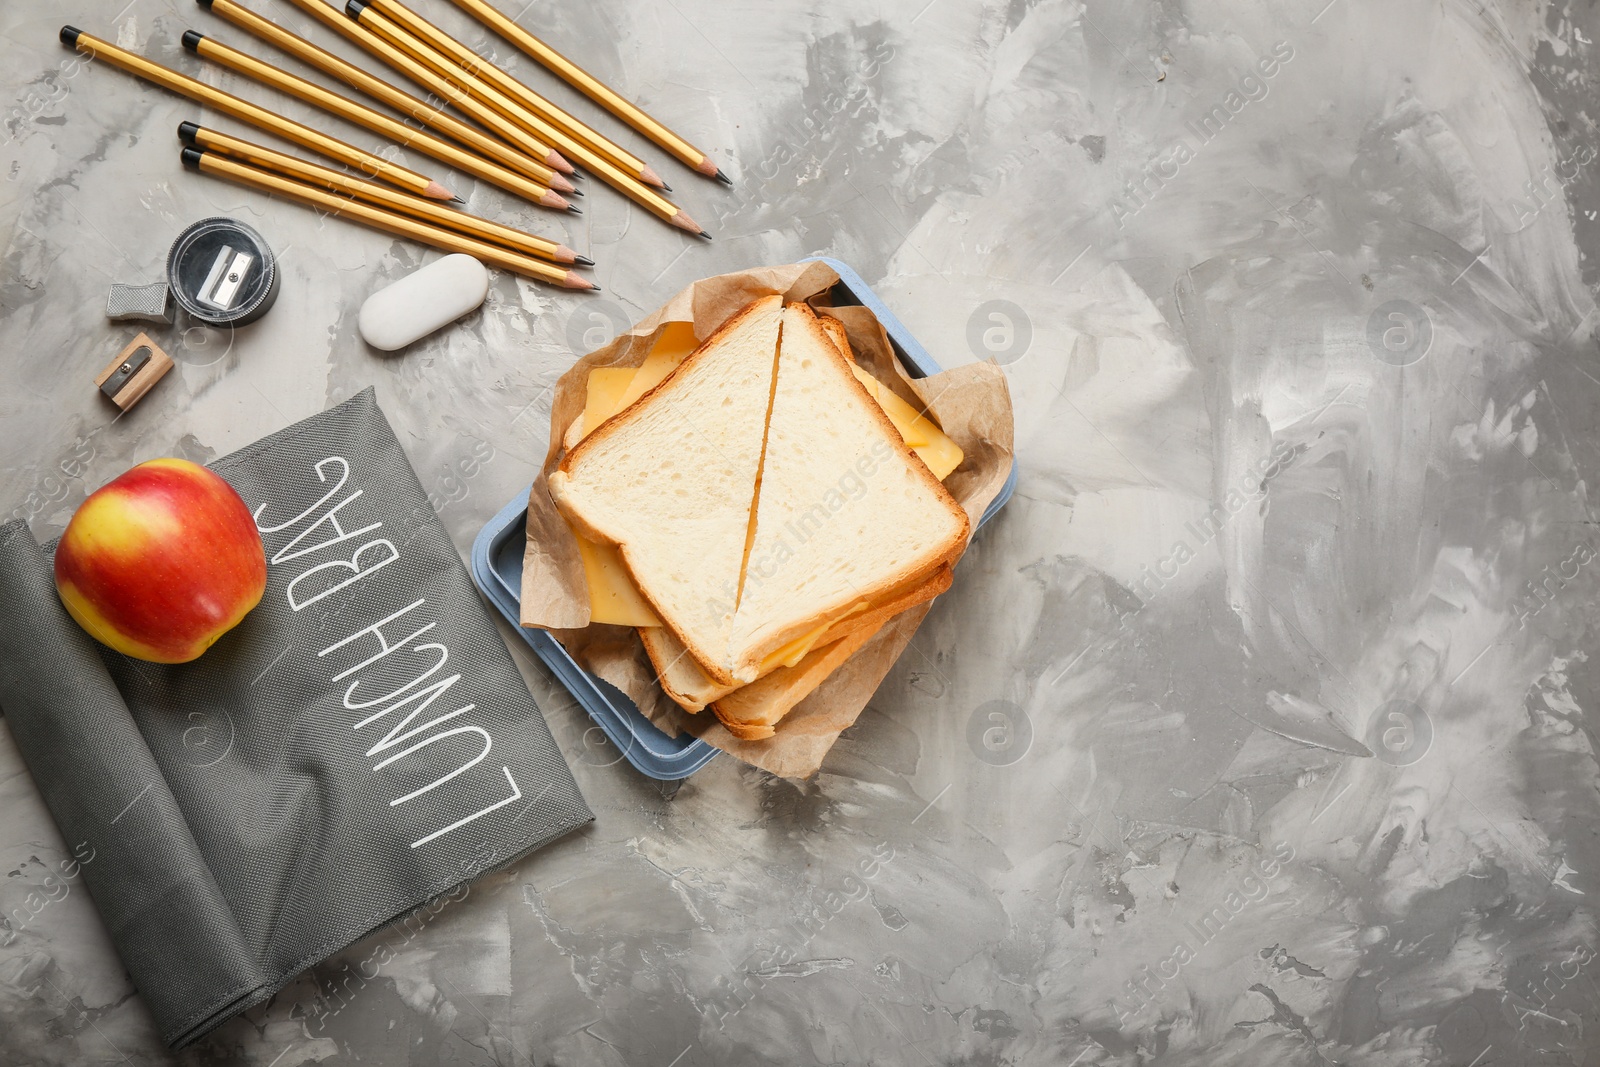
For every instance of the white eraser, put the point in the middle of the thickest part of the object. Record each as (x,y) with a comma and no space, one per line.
(423,301)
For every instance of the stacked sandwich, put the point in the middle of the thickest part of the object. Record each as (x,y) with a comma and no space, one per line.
(757,508)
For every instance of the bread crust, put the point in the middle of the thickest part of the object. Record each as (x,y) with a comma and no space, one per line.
(838,335)
(746,664)
(751,712)
(663,656)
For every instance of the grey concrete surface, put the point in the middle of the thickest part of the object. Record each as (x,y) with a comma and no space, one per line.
(1261,727)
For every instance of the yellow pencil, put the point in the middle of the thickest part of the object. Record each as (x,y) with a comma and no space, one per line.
(427,210)
(392,57)
(470,61)
(257,116)
(624,183)
(375,87)
(314,94)
(220,166)
(593,88)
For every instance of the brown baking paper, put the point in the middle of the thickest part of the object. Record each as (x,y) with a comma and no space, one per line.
(971,404)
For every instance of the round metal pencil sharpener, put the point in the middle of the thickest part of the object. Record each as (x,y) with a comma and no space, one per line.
(222,273)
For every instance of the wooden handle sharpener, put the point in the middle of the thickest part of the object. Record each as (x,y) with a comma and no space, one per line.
(136,368)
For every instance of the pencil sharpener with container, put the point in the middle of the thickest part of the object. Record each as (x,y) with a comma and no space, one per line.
(222,273)
(219,271)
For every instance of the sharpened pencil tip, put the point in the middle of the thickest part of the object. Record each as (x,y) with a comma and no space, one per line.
(665,187)
(436,191)
(575,209)
(723,178)
(704,234)
(457,200)
(572,192)
(577,174)
(594,289)
(688,225)
(583,261)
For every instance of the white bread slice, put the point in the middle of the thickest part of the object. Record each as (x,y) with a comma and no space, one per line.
(671,480)
(692,689)
(845,511)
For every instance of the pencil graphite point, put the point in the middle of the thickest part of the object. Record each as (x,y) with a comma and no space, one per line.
(559,183)
(704,234)
(650,177)
(570,191)
(575,209)
(684,222)
(582,261)
(574,173)
(439,192)
(457,200)
(555,200)
(723,178)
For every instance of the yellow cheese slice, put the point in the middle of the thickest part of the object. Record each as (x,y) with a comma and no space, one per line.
(941,454)
(613,598)
(671,348)
(795,651)
(790,654)
(613,388)
(913,427)
(607,385)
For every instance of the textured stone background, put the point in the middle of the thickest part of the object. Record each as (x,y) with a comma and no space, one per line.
(1298,579)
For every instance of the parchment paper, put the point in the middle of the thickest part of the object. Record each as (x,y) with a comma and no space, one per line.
(971,404)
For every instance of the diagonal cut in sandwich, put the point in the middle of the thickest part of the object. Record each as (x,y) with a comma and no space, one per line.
(768,510)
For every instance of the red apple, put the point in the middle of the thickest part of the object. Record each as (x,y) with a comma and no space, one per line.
(161,561)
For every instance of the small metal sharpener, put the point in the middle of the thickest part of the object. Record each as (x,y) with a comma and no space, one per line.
(133,372)
(146,303)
